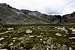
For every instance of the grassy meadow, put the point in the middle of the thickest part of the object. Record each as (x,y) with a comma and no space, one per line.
(36,37)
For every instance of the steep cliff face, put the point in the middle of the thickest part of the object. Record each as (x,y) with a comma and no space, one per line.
(10,15)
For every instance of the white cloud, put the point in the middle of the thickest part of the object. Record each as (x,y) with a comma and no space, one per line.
(68,10)
(44,6)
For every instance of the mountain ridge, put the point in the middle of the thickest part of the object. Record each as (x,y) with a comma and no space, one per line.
(10,15)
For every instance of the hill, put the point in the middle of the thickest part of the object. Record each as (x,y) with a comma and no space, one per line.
(10,15)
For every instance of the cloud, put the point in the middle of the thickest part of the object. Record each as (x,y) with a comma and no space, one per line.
(44,6)
(69,7)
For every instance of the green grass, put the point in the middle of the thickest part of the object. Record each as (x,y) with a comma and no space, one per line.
(42,35)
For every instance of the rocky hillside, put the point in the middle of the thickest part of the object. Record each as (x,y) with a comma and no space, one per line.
(10,15)
(53,19)
(69,18)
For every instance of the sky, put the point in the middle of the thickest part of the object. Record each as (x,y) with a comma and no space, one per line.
(44,6)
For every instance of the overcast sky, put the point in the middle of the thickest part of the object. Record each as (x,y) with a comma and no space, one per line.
(44,6)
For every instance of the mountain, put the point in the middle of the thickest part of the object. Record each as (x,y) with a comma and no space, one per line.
(10,15)
(69,18)
(53,19)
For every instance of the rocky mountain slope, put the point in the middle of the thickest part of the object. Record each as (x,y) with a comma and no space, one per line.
(69,18)
(10,15)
